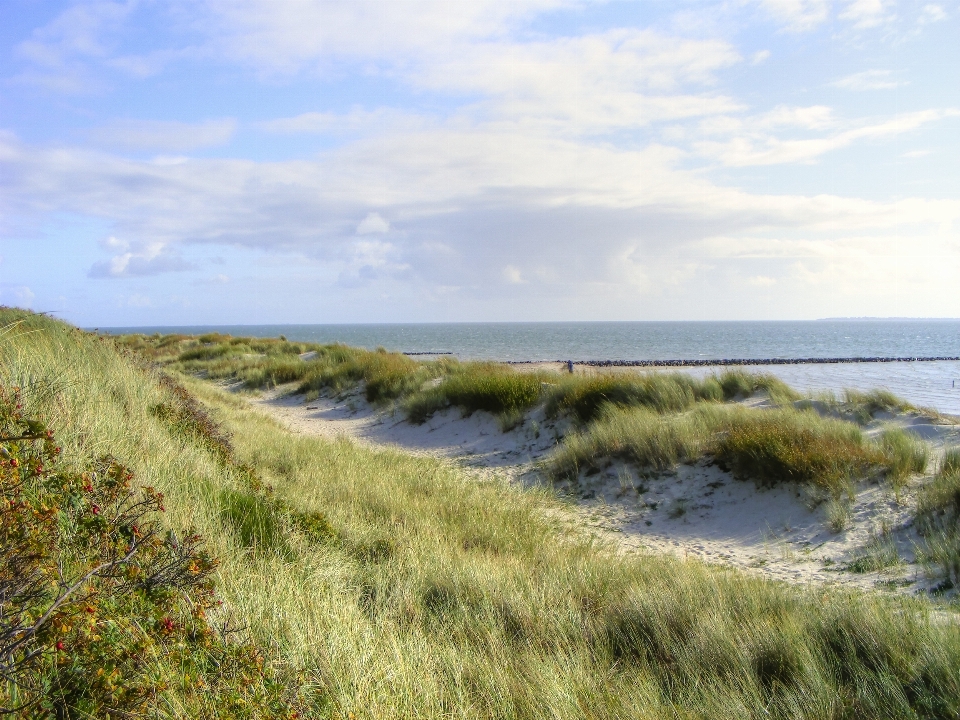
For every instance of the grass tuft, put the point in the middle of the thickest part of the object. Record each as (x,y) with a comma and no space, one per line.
(737,384)
(905,454)
(796,446)
(639,435)
(586,398)
(938,518)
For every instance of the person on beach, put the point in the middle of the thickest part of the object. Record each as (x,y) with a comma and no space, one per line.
(570,366)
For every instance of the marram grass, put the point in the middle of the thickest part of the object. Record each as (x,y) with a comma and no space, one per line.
(436,595)
(769,446)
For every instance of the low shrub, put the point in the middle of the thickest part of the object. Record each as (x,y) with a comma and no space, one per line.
(104,614)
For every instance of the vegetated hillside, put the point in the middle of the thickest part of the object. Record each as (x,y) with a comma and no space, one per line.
(397,586)
(652,420)
(108,609)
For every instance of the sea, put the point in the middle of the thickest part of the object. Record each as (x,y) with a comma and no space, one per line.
(930,384)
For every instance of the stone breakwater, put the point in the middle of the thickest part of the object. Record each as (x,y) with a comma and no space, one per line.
(741,361)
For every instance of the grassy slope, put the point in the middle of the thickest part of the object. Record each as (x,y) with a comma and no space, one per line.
(437,596)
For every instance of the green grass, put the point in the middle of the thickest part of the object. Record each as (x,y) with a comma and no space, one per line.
(938,518)
(640,436)
(787,445)
(426,593)
(873,402)
(493,387)
(768,446)
(471,386)
(906,454)
(586,398)
(863,407)
(879,553)
(739,384)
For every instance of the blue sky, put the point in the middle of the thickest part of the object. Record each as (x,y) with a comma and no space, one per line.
(286,161)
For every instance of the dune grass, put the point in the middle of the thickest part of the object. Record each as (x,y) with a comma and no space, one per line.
(471,386)
(740,384)
(787,445)
(586,398)
(426,593)
(867,404)
(862,407)
(905,454)
(640,436)
(769,446)
(493,387)
(938,518)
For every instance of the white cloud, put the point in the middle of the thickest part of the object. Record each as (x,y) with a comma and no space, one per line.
(368,261)
(163,135)
(931,13)
(622,78)
(68,53)
(540,165)
(815,117)
(759,149)
(798,15)
(373,224)
(512,275)
(867,80)
(152,259)
(289,36)
(867,13)
(612,219)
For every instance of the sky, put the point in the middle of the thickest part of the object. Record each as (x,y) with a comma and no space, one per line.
(315,161)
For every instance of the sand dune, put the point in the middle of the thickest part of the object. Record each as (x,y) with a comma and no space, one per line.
(694,511)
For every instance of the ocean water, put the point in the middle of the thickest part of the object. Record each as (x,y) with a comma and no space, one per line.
(933,384)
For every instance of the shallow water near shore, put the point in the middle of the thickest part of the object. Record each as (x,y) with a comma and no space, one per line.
(932,384)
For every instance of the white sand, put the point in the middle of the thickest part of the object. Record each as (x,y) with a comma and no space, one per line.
(696,511)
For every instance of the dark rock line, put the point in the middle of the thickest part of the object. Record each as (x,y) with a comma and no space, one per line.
(740,361)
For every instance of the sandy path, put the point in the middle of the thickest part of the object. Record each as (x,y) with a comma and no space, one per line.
(696,511)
